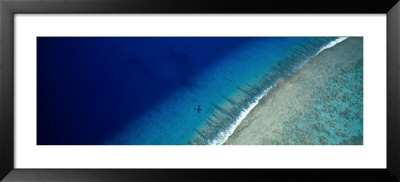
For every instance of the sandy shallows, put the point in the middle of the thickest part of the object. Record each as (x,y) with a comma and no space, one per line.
(320,104)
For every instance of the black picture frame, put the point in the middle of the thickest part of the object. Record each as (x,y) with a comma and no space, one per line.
(8,8)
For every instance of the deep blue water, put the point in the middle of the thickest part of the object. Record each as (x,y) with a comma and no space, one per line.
(154,90)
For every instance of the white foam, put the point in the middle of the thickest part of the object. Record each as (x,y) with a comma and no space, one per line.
(331,44)
(327,46)
(223,136)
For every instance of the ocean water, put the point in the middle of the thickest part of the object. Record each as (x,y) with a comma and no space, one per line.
(159,90)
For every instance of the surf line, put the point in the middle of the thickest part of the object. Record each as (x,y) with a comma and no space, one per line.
(224,135)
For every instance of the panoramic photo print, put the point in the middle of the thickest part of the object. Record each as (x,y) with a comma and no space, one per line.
(199,91)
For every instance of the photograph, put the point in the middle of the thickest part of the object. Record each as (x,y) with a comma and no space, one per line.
(199,90)
(203,90)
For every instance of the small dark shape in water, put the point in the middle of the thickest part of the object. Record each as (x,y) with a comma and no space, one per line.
(198,109)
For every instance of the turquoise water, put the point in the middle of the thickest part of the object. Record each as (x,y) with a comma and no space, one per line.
(206,110)
(334,116)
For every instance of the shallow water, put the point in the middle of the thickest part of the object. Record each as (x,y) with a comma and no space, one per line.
(321,104)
